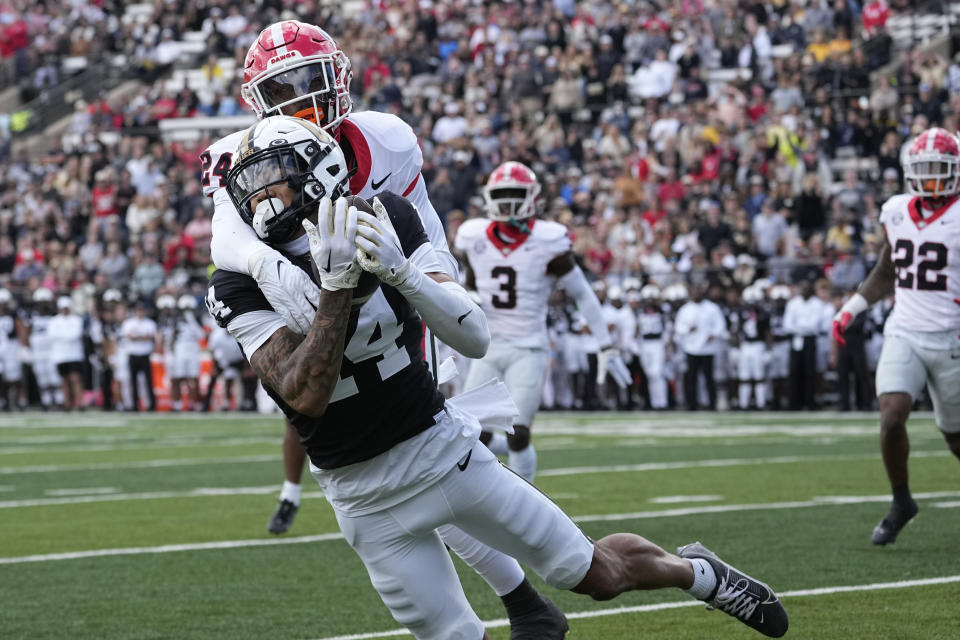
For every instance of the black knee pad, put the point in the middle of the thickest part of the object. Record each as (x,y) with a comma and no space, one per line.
(519,439)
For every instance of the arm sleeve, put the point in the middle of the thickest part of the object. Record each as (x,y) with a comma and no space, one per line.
(449,312)
(575,283)
(233,241)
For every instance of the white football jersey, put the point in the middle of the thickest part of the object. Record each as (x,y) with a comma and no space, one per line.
(926,254)
(512,279)
(388,159)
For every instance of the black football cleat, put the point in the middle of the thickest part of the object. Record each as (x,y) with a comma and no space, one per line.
(747,599)
(545,623)
(889,528)
(282,518)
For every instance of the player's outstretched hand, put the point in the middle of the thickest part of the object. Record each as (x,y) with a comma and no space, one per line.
(332,244)
(378,247)
(287,288)
(609,361)
(840,323)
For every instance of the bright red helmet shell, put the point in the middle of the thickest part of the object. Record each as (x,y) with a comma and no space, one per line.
(932,165)
(511,192)
(297,69)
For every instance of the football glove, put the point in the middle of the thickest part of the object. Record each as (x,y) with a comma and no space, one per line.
(853,307)
(332,244)
(287,288)
(379,249)
(609,361)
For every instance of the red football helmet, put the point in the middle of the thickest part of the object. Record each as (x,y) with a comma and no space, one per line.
(297,69)
(932,167)
(511,192)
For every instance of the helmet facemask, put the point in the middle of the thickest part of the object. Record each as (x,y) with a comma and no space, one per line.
(513,204)
(300,167)
(932,175)
(314,89)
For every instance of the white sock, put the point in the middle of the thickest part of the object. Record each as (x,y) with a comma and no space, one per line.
(524,462)
(704,579)
(499,570)
(761,395)
(744,395)
(290,492)
(498,444)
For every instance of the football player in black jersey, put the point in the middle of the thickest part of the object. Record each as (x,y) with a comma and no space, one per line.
(384,392)
(395,459)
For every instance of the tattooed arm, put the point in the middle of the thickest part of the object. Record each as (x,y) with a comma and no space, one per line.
(304,370)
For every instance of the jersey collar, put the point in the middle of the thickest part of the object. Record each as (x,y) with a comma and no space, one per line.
(923,221)
(497,231)
(349,134)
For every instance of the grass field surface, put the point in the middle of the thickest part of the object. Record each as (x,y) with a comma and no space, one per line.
(150,527)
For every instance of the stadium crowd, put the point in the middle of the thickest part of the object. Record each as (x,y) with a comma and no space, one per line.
(730,150)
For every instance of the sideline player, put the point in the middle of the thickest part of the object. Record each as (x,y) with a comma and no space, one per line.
(41,363)
(185,349)
(395,459)
(753,332)
(919,264)
(531,616)
(11,327)
(513,261)
(297,69)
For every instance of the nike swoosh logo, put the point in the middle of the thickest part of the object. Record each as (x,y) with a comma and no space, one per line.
(702,570)
(376,185)
(463,465)
(460,319)
(327,268)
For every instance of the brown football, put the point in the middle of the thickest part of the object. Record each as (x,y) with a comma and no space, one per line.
(368,282)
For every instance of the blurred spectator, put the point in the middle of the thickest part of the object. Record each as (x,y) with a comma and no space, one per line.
(66,333)
(140,334)
(115,266)
(768,228)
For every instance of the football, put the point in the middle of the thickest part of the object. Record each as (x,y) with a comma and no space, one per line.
(368,283)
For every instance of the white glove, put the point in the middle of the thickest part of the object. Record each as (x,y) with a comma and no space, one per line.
(332,245)
(379,249)
(609,361)
(287,288)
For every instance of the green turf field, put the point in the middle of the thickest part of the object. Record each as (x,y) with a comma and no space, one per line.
(120,526)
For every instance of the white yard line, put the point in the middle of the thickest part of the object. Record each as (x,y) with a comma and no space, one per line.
(94,496)
(684,499)
(142,445)
(826,501)
(83,491)
(660,606)
(823,501)
(172,548)
(730,462)
(99,466)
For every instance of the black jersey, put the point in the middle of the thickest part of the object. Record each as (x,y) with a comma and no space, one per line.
(753,324)
(777,329)
(8,327)
(386,394)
